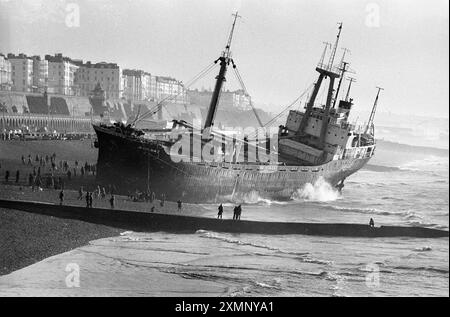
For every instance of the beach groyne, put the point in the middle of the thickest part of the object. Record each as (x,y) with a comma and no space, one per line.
(146,221)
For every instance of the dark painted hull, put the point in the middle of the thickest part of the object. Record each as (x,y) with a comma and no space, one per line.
(134,164)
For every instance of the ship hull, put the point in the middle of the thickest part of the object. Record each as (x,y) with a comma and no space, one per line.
(130,164)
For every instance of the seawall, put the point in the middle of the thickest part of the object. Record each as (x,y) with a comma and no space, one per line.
(141,221)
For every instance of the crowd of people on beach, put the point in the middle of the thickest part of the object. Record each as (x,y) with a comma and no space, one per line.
(99,193)
(49,172)
(19,135)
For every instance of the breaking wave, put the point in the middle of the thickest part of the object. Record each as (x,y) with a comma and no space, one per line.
(321,191)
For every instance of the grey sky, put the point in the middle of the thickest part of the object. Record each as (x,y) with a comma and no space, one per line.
(277,42)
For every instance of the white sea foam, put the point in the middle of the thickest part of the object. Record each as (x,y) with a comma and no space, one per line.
(321,191)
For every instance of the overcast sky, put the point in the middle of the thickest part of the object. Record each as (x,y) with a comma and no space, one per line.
(402,45)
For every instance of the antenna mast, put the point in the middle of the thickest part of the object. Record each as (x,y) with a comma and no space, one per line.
(351,80)
(343,70)
(327,44)
(333,52)
(372,114)
(227,52)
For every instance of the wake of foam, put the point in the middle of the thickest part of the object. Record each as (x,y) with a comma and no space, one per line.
(321,191)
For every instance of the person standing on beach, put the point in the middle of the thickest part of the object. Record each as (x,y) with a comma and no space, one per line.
(99,191)
(152,197)
(235,211)
(219,214)
(111,201)
(163,199)
(103,193)
(61,197)
(90,200)
(17,176)
(6,176)
(238,212)
(179,205)
(80,193)
(87,199)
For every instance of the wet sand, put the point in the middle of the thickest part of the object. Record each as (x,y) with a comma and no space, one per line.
(102,270)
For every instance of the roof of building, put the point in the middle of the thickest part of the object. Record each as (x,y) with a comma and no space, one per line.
(104,65)
(166,79)
(135,72)
(19,56)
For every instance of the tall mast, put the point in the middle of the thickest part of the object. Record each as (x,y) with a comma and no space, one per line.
(372,114)
(333,53)
(224,60)
(327,44)
(352,80)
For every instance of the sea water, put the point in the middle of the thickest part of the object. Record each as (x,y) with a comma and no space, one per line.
(396,188)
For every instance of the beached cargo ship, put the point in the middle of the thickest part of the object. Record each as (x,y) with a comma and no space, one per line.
(318,142)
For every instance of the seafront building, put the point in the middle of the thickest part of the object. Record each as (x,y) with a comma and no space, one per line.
(107,75)
(136,84)
(170,88)
(61,75)
(40,74)
(21,72)
(5,73)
